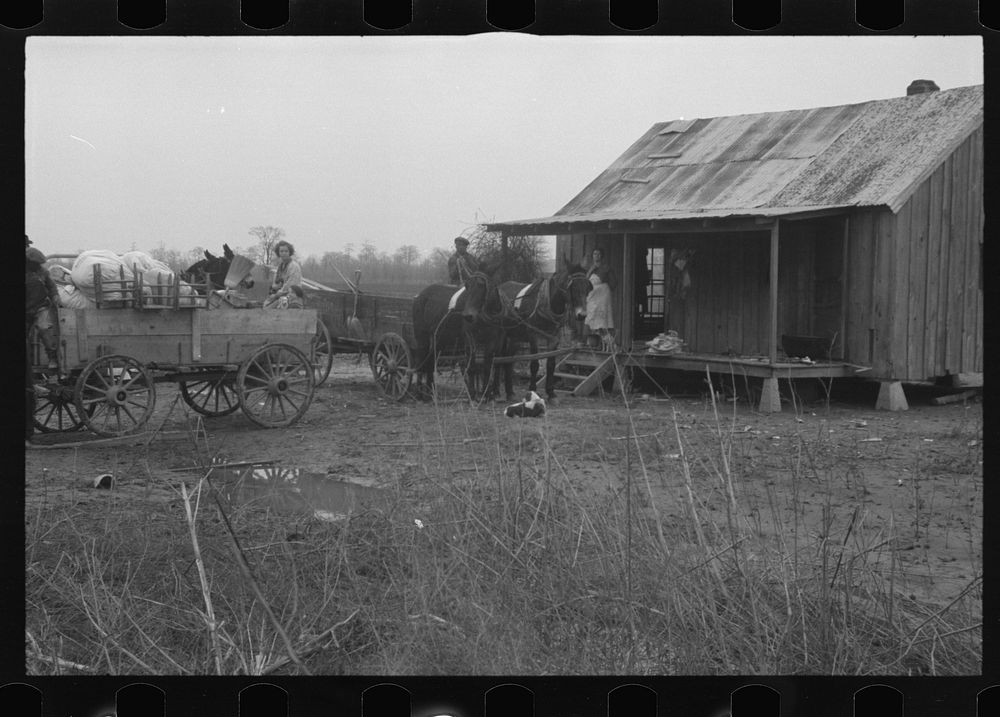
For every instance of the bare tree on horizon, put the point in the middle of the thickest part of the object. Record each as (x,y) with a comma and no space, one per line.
(267,237)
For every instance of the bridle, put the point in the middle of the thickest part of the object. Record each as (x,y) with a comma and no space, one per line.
(542,312)
(500,319)
(567,288)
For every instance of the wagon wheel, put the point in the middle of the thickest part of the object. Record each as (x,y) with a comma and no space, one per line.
(322,352)
(114,395)
(275,385)
(392,366)
(55,410)
(211,396)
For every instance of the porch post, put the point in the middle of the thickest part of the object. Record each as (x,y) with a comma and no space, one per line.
(770,400)
(843,288)
(627,285)
(772,348)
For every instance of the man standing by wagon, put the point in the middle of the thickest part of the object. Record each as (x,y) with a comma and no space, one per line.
(41,302)
(461,264)
(41,297)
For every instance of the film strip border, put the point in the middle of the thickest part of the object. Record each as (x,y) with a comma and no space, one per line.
(462,697)
(510,697)
(535,16)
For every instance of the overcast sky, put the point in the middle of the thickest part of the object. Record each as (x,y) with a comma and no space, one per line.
(403,140)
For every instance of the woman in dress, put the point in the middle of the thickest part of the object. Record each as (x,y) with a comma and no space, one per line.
(287,282)
(600,317)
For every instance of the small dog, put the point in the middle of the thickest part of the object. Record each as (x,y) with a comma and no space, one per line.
(531,407)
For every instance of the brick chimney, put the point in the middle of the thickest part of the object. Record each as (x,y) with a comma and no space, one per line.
(918,87)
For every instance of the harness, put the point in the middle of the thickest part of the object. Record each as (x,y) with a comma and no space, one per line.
(484,316)
(506,313)
(542,312)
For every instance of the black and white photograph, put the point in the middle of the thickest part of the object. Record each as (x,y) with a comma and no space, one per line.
(504,354)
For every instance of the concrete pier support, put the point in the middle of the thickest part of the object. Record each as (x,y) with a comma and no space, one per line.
(770,401)
(891,397)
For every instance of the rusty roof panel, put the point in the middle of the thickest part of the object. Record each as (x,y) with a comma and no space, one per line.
(866,154)
(888,150)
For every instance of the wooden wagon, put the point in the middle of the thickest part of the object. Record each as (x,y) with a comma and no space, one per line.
(376,325)
(222,359)
(380,326)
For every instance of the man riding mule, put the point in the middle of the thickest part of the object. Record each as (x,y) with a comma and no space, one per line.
(450,322)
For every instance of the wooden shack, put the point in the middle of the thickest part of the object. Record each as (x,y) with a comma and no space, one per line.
(854,229)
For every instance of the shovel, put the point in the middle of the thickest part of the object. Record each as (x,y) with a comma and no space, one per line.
(354,327)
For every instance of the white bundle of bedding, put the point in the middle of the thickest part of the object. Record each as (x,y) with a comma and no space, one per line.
(60,274)
(154,273)
(112,269)
(72,298)
(144,262)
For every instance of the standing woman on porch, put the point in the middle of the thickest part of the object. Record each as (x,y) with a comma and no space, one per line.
(600,317)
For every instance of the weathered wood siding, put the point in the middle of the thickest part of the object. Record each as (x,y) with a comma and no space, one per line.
(914,290)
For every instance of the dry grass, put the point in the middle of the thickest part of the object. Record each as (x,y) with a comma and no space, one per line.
(492,557)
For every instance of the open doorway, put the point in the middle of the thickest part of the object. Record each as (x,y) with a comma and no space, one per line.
(661,284)
(649,291)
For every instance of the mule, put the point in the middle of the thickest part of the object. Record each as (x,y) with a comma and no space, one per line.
(210,271)
(536,314)
(485,319)
(452,320)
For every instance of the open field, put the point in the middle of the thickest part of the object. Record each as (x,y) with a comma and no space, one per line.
(618,535)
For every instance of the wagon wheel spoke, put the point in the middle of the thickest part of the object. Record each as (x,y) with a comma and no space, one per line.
(288,395)
(392,366)
(114,395)
(211,397)
(275,385)
(322,353)
(56,412)
(51,417)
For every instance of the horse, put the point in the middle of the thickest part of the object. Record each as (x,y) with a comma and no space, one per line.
(210,271)
(537,312)
(450,320)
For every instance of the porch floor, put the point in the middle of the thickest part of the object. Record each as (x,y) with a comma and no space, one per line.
(756,366)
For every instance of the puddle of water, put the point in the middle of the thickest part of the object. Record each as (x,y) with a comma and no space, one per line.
(291,490)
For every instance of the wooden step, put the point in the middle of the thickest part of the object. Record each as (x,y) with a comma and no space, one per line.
(591,382)
(586,360)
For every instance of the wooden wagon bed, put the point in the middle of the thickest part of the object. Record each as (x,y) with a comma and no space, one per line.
(222,359)
(191,338)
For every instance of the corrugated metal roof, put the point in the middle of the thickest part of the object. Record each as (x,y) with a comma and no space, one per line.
(775,163)
(649,215)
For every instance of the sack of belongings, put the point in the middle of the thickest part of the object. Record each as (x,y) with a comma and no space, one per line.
(60,274)
(72,298)
(157,280)
(668,343)
(112,270)
(157,277)
(531,407)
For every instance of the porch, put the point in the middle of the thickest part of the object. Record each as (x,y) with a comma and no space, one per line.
(586,369)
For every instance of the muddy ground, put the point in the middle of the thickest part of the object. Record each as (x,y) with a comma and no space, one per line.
(921,468)
(834,467)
